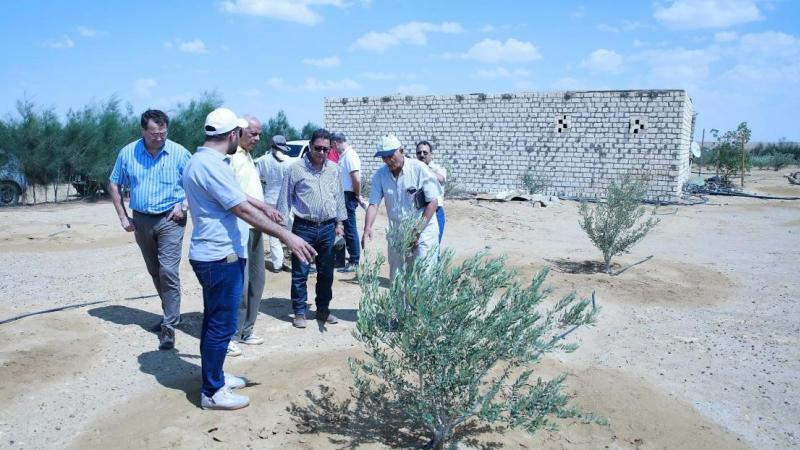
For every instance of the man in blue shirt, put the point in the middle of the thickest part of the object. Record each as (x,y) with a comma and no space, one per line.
(216,252)
(152,168)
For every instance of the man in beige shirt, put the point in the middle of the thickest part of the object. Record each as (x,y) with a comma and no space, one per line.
(244,169)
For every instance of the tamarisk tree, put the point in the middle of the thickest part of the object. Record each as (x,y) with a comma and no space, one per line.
(453,343)
(614,226)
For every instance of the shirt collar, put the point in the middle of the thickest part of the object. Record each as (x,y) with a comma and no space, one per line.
(311,167)
(211,151)
(164,148)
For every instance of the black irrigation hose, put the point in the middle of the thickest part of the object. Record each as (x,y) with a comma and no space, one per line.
(748,195)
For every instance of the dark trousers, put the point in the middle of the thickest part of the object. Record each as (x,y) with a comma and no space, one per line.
(321,236)
(351,228)
(253,287)
(440,219)
(222,290)
(161,241)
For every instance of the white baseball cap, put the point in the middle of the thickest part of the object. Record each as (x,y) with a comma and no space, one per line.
(387,145)
(223,120)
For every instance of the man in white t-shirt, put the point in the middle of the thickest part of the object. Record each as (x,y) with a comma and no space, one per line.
(272,168)
(350,165)
(425,154)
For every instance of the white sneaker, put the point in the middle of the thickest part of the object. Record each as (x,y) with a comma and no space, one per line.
(235,382)
(252,340)
(224,399)
(233,349)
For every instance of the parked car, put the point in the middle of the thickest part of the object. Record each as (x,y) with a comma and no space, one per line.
(12,180)
(297,148)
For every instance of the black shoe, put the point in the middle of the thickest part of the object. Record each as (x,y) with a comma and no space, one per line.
(166,340)
(326,317)
(275,270)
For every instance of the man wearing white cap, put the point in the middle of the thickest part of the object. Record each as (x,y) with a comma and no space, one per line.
(216,252)
(399,182)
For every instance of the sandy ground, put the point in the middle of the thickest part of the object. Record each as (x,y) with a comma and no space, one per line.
(695,348)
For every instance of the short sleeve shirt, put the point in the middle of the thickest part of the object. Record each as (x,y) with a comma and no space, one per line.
(154,181)
(212,191)
(440,171)
(414,175)
(349,162)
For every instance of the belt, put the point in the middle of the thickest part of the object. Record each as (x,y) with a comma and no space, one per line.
(152,214)
(316,223)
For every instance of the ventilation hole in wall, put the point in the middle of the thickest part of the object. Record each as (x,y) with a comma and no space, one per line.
(563,123)
(638,125)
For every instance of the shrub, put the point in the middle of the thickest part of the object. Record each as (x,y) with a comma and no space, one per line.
(366,181)
(448,344)
(761,161)
(614,226)
(534,183)
(781,160)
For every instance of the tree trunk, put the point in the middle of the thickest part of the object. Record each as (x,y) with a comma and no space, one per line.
(437,441)
(607,262)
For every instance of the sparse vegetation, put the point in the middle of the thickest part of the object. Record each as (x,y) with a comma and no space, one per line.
(534,183)
(452,344)
(729,153)
(615,225)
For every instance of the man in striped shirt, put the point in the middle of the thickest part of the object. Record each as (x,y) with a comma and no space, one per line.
(152,168)
(312,188)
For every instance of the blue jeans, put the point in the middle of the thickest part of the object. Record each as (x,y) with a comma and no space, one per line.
(222,283)
(321,237)
(440,219)
(351,228)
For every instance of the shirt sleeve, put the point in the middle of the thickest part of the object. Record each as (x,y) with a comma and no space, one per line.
(222,186)
(118,173)
(341,209)
(284,202)
(439,170)
(429,184)
(375,189)
(354,162)
(185,157)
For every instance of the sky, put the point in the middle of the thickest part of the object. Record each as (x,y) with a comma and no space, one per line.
(739,60)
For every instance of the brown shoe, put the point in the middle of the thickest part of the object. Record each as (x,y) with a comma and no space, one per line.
(299,321)
(329,318)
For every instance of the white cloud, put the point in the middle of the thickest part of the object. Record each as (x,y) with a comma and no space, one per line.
(693,14)
(604,60)
(143,87)
(90,32)
(767,57)
(413,33)
(331,61)
(726,36)
(298,11)
(413,89)
(626,26)
(487,29)
(678,67)
(60,44)
(494,51)
(312,84)
(381,76)
(502,72)
(195,46)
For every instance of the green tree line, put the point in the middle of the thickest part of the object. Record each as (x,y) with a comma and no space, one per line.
(80,148)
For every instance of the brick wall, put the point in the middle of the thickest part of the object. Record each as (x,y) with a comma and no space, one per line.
(490,141)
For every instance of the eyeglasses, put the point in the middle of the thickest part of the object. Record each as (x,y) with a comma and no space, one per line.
(320,148)
(157,134)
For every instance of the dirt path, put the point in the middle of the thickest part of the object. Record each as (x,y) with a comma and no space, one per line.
(695,348)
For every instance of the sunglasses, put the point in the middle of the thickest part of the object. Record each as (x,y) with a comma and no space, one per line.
(320,148)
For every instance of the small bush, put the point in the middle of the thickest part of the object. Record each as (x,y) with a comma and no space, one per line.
(761,161)
(366,181)
(534,183)
(614,226)
(781,160)
(449,344)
